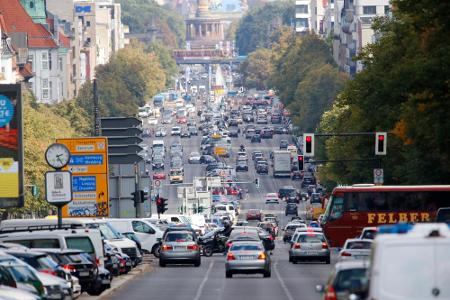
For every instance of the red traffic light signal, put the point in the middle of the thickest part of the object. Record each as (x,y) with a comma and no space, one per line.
(301,162)
(308,144)
(380,143)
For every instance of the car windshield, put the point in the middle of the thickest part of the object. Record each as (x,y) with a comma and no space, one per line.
(243,247)
(311,238)
(359,245)
(179,237)
(108,232)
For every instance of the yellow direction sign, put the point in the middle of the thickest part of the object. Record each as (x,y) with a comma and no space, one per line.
(89,167)
(220,151)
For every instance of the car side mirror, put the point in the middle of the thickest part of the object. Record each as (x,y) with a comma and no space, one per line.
(320,288)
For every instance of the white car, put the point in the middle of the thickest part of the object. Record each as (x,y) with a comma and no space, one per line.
(190,108)
(160,132)
(176,130)
(356,249)
(194,158)
(152,121)
(272,198)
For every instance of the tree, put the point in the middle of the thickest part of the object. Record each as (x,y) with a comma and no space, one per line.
(166,60)
(127,81)
(257,68)
(256,27)
(403,90)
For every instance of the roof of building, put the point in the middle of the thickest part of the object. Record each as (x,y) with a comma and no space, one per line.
(17,20)
(64,41)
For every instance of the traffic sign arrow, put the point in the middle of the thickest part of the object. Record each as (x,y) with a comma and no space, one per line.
(124,149)
(120,122)
(124,159)
(129,140)
(133,131)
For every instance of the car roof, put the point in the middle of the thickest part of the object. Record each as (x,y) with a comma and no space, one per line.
(352,264)
(358,240)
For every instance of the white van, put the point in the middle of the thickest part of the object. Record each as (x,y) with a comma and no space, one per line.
(149,235)
(107,232)
(413,265)
(181,219)
(228,208)
(158,144)
(88,240)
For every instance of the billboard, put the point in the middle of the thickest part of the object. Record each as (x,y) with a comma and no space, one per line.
(11,146)
(89,167)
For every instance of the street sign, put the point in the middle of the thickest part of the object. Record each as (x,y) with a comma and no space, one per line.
(220,151)
(120,122)
(124,149)
(89,167)
(124,159)
(157,183)
(11,146)
(133,131)
(58,187)
(378,176)
(130,140)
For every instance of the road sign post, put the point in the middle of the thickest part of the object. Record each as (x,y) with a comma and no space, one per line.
(58,190)
(378,176)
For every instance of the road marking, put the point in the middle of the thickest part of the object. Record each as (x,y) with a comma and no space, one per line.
(283,285)
(202,285)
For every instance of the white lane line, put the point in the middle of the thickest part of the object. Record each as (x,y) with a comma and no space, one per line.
(283,285)
(202,285)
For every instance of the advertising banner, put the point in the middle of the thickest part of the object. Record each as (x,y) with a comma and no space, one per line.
(11,146)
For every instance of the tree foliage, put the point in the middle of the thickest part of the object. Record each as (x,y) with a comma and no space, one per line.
(256,28)
(166,60)
(257,68)
(130,79)
(142,16)
(404,89)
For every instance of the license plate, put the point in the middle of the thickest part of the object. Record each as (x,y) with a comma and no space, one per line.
(128,263)
(106,281)
(83,274)
(115,266)
(311,253)
(246,257)
(179,248)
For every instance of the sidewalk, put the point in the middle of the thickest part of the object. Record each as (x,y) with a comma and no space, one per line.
(120,281)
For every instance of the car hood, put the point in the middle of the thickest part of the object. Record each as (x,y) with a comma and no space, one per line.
(48,279)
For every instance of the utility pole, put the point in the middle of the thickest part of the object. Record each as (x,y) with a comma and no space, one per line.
(96,110)
(136,189)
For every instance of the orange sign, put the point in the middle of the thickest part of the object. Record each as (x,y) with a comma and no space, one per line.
(392,218)
(89,167)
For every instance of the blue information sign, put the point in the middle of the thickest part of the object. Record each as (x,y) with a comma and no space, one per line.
(6,110)
(84,184)
(81,160)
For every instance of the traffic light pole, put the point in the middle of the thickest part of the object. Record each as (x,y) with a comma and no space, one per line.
(136,189)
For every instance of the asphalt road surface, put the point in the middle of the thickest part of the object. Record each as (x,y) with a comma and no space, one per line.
(289,281)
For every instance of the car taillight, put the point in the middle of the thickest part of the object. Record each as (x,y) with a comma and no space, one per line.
(296,246)
(230,256)
(49,271)
(97,261)
(192,247)
(229,244)
(69,268)
(166,247)
(262,255)
(345,253)
(324,245)
(330,294)
(271,237)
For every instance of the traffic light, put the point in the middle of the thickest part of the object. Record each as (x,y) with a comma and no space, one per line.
(136,197)
(164,205)
(257,182)
(142,195)
(308,144)
(380,143)
(301,162)
(200,209)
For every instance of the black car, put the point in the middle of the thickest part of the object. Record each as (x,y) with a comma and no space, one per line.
(207,159)
(291,209)
(185,133)
(232,122)
(284,144)
(280,130)
(284,191)
(266,134)
(307,181)
(262,168)
(241,165)
(256,138)
(296,175)
(233,132)
(157,164)
(193,130)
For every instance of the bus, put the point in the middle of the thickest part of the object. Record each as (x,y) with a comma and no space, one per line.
(351,208)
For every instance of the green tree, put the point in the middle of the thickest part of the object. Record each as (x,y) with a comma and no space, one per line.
(404,90)
(257,69)
(166,60)
(145,16)
(256,28)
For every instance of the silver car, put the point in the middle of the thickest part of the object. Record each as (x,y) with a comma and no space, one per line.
(247,257)
(310,246)
(356,249)
(180,247)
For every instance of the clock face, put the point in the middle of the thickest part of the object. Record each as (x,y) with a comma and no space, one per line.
(57,156)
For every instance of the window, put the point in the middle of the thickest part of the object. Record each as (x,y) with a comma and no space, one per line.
(31,4)
(80,243)
(51,89)
(49,60)
(44,60)
(302,23)
(60,63)
(301,9)
(141,227)
(44,87)
(370,10)
(31,60)
(88,23)
(387,9)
